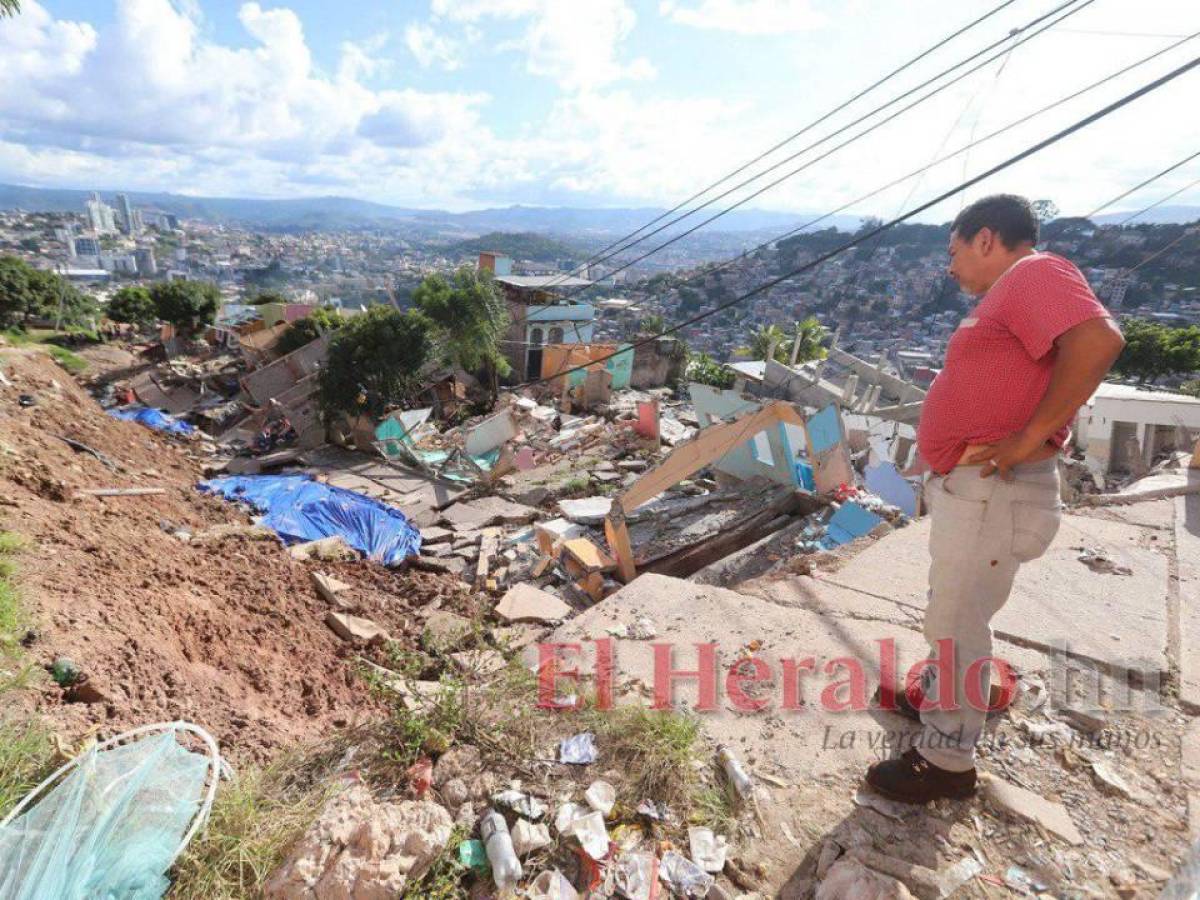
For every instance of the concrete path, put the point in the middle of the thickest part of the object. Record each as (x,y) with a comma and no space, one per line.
(807,742)
(1118,621)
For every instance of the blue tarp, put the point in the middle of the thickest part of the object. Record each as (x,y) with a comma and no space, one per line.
(850,522)
(152,418)
(301,509)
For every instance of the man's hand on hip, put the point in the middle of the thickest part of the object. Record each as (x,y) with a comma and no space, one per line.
(1003,455)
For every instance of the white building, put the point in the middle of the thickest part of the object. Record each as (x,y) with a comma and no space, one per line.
(101,218)
(1123,427)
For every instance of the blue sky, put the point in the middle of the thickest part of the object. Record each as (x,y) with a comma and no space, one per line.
(469,103)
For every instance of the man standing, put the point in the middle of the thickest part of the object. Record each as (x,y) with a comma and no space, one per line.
(1018,368)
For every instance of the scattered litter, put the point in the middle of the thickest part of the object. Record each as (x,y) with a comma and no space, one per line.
(708,849)
(683,876)
(742,782)
(654,810)
(472,855)
(420,777)
(1022,882)
(635,874)
(528,837)
(579,749)
(64,672)
(1096,560)
(565,818)
(958,874)
(506,868)
(522,804)
(592,835)
(601,796)
(552,885)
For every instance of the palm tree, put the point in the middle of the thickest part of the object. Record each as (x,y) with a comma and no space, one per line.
(9,7)
(761,341)
(652,324)
(809,337)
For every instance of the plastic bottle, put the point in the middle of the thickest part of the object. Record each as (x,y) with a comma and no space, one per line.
(737,776)
(506,868)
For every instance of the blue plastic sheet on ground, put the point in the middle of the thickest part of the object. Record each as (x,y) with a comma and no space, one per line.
(301,509)
(849,522)
(152,418)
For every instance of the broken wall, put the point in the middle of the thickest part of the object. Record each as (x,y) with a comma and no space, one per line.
(769,454)
(658,363)
(281,375)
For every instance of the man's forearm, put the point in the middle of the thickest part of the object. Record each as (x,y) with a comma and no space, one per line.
(1085,354)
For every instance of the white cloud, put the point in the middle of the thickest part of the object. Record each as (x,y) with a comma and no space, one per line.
(432,49)
(576,44)
(756,17)
(148,99)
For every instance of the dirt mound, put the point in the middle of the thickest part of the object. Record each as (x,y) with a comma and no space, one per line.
(227,633)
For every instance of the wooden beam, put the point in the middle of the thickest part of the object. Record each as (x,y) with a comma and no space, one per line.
(617,534)
(708,446)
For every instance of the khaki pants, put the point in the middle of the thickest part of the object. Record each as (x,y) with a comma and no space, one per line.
(982,530)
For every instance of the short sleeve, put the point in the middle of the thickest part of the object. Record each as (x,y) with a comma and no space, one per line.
(1042,298)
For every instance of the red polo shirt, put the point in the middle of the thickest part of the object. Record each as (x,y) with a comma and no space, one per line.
(999,359)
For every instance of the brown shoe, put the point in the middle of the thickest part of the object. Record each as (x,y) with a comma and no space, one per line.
(912,778)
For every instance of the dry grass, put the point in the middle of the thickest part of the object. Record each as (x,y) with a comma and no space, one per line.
(255,821)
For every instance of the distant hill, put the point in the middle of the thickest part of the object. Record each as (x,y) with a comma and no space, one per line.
(307,213)
(1162,215)
(518,245)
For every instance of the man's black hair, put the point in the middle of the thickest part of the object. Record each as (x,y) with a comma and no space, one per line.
(1008,215)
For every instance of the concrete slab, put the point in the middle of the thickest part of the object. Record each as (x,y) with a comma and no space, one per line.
(806,742)
(487,511)
(1111,619)
(1187,551)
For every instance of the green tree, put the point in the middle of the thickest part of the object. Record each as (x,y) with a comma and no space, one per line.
(303,331)
(703,369)
(652,324)
(1153,350)
(26,293)
(267,296)
(9,7)
(1045,210)
(469,319)
(375,362)
(132,304)
(761,341)
(188,305)
(810,335)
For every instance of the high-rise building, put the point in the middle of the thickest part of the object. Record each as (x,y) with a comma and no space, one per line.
(127,216)
(85,246)
(100,215)
(146,265)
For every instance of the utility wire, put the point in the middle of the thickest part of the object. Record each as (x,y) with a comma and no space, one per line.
(1140,185)
(582,267)
(1161,250)
(1157,203)
(706,272)
(828,153)
(862,238)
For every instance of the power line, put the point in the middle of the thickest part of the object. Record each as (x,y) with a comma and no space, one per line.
(1140,185)
(859,239)
(1157,203)
(813,124)
(840,146)
(1161,250)
(705,272)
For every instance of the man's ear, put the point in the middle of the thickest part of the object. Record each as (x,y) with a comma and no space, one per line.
(987,241)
